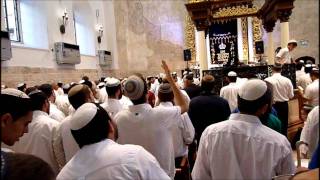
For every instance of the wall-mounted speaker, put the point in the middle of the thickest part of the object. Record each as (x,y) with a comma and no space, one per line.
(187,55)
(259,47)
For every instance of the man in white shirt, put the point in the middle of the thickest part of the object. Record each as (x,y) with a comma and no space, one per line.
(283,56)
(112,105)
(102,93)
(62,101)
(102,158)
(55,113)
(282,93)
(15,115)
(304,80)
(230,92)
(299,71)
(65,146)
(242,147)
(182,131)
(148,127)
(310,132)
(38,141)
(311,93)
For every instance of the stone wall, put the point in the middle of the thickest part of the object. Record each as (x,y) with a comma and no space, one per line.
(147,32)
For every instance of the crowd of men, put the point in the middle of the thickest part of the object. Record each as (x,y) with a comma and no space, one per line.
(160,127)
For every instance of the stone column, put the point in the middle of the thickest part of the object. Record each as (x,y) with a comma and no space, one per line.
(201,51)
(268,26)
(284,26)
(270,52)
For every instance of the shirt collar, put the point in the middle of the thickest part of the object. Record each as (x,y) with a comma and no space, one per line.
(38,113)
(166,104)
(245,118)
(140,107)
(276,74)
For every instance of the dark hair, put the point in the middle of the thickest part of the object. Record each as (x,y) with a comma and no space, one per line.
(165,97)
(22,88)
(88,83)
(251,107)
(26,166)
(38,99)
(102,79)
(60,84)
(307,69)
(95,131)
(207,83)
(112,90)
(232,78)
(277,50)
(30,89)
(46,89)
(299,66)
(15,106)
(80,97)
(86,78)
(143,98)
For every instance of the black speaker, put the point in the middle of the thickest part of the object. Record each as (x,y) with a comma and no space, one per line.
(187,55)
(259,47)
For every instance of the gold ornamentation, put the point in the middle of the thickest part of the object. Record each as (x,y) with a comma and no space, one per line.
(235,11)
(190,37)
(244,27)
(195,1)
(256,25)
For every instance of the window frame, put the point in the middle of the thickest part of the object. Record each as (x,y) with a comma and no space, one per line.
(17,16)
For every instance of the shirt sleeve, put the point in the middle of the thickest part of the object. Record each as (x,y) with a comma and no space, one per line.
(308,93)
(58,150)
(201,169)
(187,129)
(148,167)
(286,165)
(280,53)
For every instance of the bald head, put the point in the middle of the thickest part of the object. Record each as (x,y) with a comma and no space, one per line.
(207,83)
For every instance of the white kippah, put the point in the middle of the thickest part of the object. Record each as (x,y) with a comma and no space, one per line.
(20,84)
(107,79)
(83,115)
(253,89)
(308,65)
(292,41)
(81,81)
(301,61)
(112,82)
(14,92)
(232,74)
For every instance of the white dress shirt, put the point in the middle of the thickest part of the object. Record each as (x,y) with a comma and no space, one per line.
(182,132)
(299,74)
(112,106)
(55,113)
(304,81)
(282,87)
(284,55)
(150,127)
(230,93)
(310,131)
(109,160)
(125,101)
(63,104)
(312,92)
(103,95)
(70,146)
(242,148)
(38,141)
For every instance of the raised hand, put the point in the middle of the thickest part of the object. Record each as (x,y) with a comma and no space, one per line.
(165,67)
